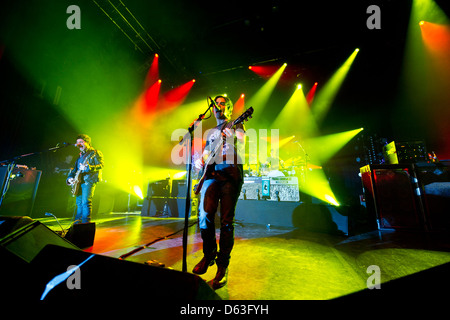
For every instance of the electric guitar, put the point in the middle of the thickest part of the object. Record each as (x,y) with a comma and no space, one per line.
(77,180)
(206,167)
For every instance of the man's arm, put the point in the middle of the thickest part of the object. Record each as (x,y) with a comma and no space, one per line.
(94,164)
(98,162)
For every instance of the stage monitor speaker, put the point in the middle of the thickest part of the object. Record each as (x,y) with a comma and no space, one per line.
(113,280)
(82,234)
(389,192)
(29,240)
(422,285)
(10,224)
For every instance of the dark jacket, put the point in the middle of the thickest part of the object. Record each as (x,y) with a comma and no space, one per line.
(93,173)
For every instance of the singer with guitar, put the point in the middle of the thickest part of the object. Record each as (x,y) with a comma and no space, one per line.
(222,183)
(84,176)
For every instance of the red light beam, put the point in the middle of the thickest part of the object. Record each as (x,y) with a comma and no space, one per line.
(176,97)
(239,105)
(311,93)
(151,97)
(153,73)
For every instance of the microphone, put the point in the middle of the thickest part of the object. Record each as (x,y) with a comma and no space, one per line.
(62,144)
(213,103)
(66,144)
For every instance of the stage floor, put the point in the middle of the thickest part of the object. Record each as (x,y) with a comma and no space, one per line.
(278,263)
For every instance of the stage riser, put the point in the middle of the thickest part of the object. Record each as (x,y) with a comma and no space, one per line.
(312,217)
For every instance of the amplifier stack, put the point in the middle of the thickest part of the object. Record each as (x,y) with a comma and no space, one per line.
(167,198)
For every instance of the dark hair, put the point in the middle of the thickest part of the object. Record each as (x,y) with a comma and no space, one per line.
(84,137)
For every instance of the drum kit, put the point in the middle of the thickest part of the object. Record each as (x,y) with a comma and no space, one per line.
(293,167)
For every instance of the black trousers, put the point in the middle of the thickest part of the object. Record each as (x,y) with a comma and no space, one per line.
(224,186)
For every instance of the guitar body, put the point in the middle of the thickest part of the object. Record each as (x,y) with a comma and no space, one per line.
(207,167)
(76,183)
(199,185)
(78,179)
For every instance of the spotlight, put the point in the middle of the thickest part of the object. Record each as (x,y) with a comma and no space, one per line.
(299,86)
(421,23)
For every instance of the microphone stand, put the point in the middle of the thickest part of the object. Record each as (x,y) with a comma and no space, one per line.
(188,138)
(11,163)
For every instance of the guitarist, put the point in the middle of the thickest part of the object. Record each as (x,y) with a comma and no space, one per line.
(90,165)
(222,183)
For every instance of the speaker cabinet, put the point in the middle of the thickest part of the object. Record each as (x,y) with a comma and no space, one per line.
(113,280)
(179,188)
(159,188)
(82,234)
(29,240)
(10,224)
(391,194)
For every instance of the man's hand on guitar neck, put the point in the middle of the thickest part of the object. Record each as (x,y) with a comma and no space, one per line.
(230,133)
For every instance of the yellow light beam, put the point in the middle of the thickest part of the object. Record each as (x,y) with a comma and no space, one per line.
(261,97)
(325,97)
(317,185)
(295,118)
(322,148)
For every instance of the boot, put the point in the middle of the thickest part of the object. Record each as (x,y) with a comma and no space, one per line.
(221,278)
(204,264)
